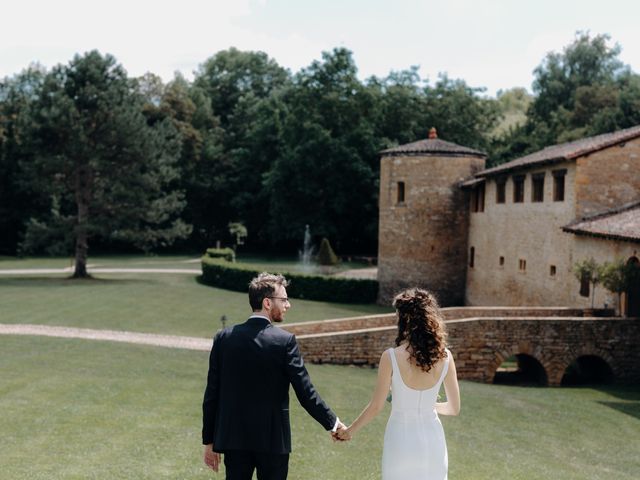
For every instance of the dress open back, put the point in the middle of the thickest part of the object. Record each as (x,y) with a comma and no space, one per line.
(414,443)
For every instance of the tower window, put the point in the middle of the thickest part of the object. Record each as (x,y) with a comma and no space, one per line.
(501,262)
(537,190)
(501,190)
(558,184)
(522,265)
(518,189)
(478,198)
(552,270)
(400,192)
(472,257)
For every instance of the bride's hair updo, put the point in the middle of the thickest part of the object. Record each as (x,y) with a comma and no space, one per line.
(420,324)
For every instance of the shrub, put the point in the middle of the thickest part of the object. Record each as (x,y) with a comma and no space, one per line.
(232,276)
(225,253)
(326,255)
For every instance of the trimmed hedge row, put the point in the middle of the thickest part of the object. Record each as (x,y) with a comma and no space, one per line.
(222,274)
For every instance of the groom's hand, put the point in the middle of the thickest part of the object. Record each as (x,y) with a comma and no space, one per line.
(338,435)
(211,458)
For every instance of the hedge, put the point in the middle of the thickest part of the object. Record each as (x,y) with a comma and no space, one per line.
(232,276)
(227,253)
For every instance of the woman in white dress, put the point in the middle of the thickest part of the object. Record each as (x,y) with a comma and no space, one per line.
(414,443)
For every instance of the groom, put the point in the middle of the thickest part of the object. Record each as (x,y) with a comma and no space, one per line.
(246,402)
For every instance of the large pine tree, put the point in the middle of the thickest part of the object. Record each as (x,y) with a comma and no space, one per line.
(106,171)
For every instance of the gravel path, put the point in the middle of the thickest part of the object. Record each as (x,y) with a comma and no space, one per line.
(44,271)
(171,341)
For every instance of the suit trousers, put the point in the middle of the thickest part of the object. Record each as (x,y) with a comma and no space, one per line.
(240,465)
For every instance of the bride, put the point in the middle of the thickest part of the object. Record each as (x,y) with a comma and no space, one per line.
(414,443)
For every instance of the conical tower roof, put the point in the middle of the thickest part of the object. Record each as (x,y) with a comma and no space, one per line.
(433,146)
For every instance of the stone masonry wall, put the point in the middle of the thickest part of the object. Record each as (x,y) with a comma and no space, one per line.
(423,240)
(480,345)
(530,232)
(608,178)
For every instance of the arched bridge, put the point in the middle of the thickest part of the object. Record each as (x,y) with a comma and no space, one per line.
(549,342)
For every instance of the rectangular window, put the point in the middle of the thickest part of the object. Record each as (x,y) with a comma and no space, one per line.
(472,257)
(400,192)
(522,265)
(501,261)
(552,270)
(477,201)
(501,190)
(558,184)
(518,189)
(537,187)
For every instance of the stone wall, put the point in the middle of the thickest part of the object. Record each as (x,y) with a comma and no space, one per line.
(530,232)
(448,313)
(480,345)
(423,239)
(608,178)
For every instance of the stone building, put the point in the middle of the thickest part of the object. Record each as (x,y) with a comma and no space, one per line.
(424,218)
(523,224)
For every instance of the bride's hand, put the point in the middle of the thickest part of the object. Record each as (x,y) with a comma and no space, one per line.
(345,434)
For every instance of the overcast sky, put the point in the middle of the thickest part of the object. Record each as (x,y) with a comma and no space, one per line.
(489,43)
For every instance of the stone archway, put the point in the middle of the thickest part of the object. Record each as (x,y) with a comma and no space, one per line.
(587,370)
(521,369)
(633,294)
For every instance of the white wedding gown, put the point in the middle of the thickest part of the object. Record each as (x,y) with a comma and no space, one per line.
(414,443)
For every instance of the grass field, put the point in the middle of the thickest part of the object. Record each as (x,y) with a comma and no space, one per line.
(74,409)
(77,409)
(144,302)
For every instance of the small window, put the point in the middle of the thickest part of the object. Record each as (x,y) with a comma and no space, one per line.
(400,192)
(537,187)
(501,261)
(558,184)
(472,257)
(501,190)
(518,189)
(522,265)
(552,270)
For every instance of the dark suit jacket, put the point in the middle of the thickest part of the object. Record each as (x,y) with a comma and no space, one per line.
(246,402)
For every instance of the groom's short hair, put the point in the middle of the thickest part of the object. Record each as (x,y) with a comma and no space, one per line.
(263,286)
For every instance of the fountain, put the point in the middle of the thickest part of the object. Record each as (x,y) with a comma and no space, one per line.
(307,251)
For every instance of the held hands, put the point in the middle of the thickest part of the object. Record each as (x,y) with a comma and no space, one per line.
(342,433)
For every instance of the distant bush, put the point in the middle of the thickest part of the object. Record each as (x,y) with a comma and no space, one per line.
(326,255)
(217,272)
(226,253)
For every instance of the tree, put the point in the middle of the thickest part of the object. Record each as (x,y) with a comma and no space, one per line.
(588,270)
(238,232)
(325,173)
(582,91)
(107,172)
(243,89)
(17,96)
(618,277)
(326,255)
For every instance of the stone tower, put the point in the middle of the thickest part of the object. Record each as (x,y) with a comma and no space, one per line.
(424,217)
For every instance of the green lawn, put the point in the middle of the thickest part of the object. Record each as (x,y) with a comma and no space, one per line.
(74,409)
(143,302)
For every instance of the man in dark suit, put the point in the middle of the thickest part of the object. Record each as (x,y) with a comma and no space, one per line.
(246,402)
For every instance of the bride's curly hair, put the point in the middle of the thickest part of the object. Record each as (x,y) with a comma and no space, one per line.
(420,324)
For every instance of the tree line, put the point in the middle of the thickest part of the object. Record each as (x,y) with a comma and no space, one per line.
(90,155)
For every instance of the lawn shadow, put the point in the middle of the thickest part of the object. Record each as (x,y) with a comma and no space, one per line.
(629,394)
(630,408)
(63,281)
